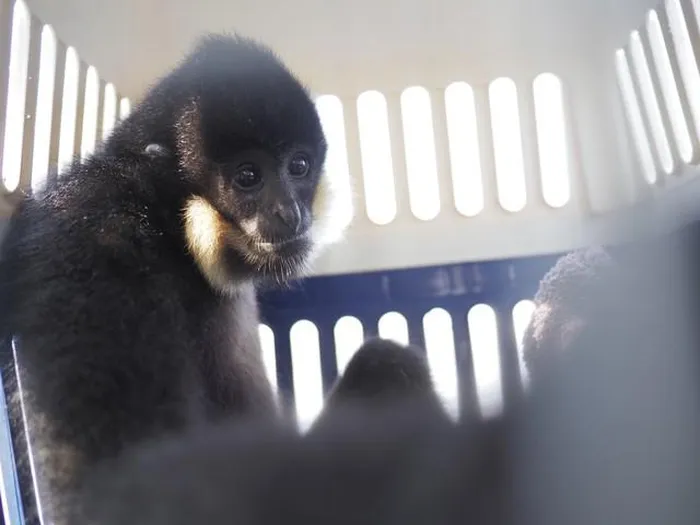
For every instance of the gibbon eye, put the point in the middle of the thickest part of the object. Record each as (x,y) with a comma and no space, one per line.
(247,176)
(299,165)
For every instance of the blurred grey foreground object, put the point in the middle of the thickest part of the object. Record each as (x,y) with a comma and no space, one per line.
(610,438)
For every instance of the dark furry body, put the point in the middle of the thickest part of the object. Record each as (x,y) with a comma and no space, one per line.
(119,346)
(608,436)
(381,372)
(590,448)
(120,336)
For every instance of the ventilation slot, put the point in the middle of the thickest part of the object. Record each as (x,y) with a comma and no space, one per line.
(269,357)
(109,113)
(687,60)
(550,120)
(483,334)
(465,156)
(440,349)
(44,108)
(522,314)
(330,111)
(348,335)
(421,162)
(306,372)
(507,144)
(90,108)
(651,104)
(69,109)
(16,97)
(669,87)
(634,117)
(393,325)
(377,165)
(124,108)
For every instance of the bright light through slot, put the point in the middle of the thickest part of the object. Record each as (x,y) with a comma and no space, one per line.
(634,117)
(377,165)
(109,113)
(465,156)
(92,100)
(651,104)
(16,97)
(550,121)
(483,334)
(687,61)
(69,109)
(44,108)
(348,335)
(393,325)
(306,372)
(507,144)
(330,111)
(421,161)
(669,87)
(440,349)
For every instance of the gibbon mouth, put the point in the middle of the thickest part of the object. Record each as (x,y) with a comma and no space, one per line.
(291,242)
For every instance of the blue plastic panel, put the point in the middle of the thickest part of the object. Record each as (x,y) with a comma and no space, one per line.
(412,292)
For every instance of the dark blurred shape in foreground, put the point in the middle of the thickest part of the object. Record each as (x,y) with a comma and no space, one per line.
(609,435)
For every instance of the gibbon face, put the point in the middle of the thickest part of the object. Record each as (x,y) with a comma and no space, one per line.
(249,141)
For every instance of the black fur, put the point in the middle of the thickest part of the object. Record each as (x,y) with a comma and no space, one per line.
(567,296)
(655,268)
(380,372)
(121,337)
(383,370)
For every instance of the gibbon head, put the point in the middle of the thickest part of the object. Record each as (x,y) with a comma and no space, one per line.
(249,141)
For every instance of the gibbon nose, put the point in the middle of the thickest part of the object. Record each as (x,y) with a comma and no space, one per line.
(289,217)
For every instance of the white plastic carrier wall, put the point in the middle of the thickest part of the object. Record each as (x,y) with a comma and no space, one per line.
(461,131)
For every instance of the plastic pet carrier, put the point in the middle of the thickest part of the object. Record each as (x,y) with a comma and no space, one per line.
(474,141)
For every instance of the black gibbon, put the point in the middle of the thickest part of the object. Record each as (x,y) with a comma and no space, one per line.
(128,284)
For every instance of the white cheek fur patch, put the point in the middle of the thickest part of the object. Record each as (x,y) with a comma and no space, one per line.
(205,231)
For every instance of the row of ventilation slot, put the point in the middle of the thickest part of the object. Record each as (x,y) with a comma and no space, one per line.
(459,104)
(667,115)
(33,78)
(348,335)
(659,79)
(420,123)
